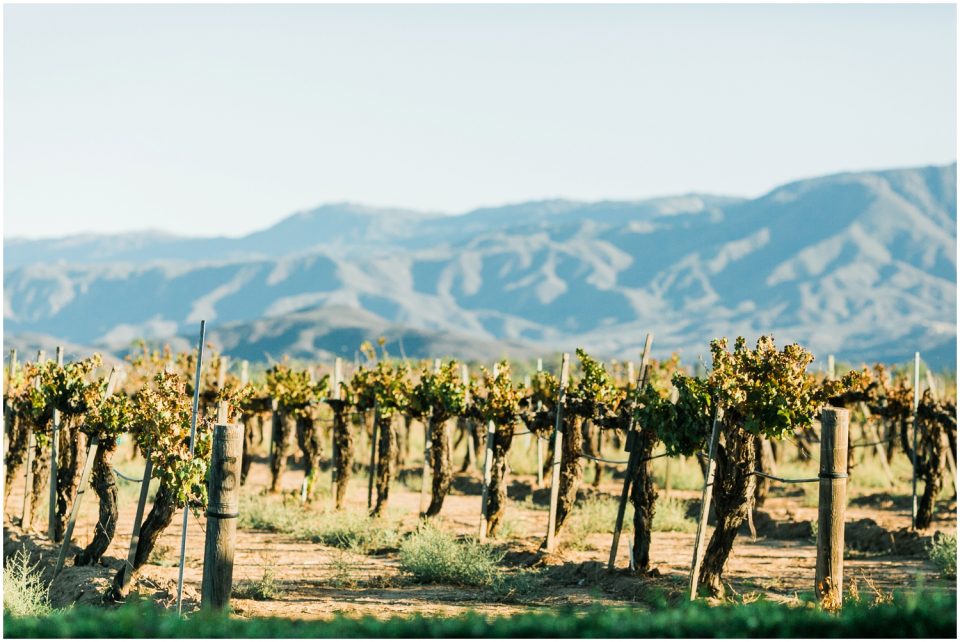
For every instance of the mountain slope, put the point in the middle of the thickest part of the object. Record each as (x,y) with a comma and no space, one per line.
(862,265)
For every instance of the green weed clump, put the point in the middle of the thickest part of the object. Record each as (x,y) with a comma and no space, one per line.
(266,588)
(671,516)
(274,514)
(593,515)
(354,531)
(24,591)
(943,553)
(433,556)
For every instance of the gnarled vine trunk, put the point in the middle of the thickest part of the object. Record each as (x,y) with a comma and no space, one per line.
(591,446)
(440,464)
(41,476)
(643,496)
(71,455)
(386,454)
(571,469)
(733,491)
(159,518)
(402,451)
(311,443)
(105,486)
(929,460)
(497,492)
(343,463)
(283,426)
(249,436)
(466,430)
(17,446)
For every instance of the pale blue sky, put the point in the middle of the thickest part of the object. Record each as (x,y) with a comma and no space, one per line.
(224,119)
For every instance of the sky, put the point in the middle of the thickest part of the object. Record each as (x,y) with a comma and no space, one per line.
(221,120)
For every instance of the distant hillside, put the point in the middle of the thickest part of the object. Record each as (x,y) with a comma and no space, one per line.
(862,265)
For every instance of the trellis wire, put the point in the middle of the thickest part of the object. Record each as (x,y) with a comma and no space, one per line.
(122,476)
(605,461)
(785,481)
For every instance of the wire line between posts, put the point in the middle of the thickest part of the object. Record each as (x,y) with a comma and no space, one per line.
(622,462)
(122,476)
(785,481)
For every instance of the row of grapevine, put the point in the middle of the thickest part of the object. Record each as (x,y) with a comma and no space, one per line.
(765,394)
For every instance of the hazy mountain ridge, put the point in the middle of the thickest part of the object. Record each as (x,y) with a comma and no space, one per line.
(859,264)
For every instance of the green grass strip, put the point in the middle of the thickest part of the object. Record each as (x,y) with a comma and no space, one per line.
(926,615)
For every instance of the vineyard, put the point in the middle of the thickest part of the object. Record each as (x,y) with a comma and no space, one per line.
(384,487)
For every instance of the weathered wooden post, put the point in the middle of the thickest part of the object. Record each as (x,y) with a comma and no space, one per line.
(427,446)
(223,509)
(469,425)
(705,498)
(54,453)
(26,516)
(557,447)
(11,372)
(373,454)
(539,438)
(334,449)
(634,453)
(487,470)
(835,425)
(913,461)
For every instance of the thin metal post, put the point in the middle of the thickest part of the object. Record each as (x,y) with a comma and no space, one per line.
(193,432)
(705,498)
(54,454)
(557,448)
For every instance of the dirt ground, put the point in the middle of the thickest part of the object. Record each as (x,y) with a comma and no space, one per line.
(317,581)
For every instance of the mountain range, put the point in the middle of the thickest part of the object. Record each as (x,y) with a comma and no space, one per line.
(861,265)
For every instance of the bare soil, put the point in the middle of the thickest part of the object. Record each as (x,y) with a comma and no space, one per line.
(317,581)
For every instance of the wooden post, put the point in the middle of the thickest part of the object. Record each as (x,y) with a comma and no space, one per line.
(557,447)
(223,509)
(705,498)
(221,380)
(274,407)
(193,434)
(244,372)
(634,453)
(427,446)
(334,449)
(487,471)
(666,477)
(539,439)
(54,453)
(11,372)
(373,455)
(835,424)
(84,476)
(26,517)
(137,522)
(469,424)
(831,367)
(913,461)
